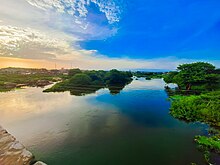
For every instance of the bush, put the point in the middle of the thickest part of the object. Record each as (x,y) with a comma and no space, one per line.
(204,108)
(80,80)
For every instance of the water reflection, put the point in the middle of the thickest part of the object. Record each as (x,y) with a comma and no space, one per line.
(30,114)
(114,90)
(141,84)
(132,127)
(82,91)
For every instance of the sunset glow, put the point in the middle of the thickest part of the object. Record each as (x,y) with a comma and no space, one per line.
(28,63)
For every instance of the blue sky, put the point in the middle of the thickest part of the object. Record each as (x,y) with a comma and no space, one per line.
(106,34)
(150,29)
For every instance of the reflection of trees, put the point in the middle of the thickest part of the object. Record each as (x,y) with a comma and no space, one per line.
(116,89)
(81,83)
(84,90)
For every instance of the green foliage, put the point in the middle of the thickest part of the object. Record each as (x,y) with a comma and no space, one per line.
(28,80)
(204,108)
(198,78)
(59,87)
(96,76)
(73,72)
(209,143)
(115,77)
(195,76)
(80,79)
(90,81)
(202,67)
(169,77)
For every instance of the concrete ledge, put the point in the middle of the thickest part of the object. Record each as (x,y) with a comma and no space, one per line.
(40,163)
(12,152)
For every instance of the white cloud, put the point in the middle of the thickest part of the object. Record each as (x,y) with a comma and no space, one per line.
(78,8)
(31,43)
(47,18)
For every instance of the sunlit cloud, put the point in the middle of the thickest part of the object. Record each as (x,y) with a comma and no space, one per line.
(29,43)
(79,8)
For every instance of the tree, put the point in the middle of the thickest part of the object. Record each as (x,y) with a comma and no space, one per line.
(168,78)
(193,75)
(80,80)
(96,77)
(73,72)
(90,81)
(115,77)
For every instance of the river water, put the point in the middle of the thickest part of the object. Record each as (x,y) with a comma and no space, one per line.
(133,127)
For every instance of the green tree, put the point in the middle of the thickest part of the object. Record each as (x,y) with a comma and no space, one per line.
(90,81)
(73,72)
(193,74)
(96,77)
(80,80)
(168,78)
(198,75)
(115,77)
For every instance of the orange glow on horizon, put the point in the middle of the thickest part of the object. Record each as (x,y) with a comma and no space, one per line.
(28,63)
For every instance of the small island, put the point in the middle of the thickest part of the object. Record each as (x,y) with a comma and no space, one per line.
(80,82)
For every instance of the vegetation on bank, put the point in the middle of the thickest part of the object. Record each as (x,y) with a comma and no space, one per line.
(84,82)
(197,99)
(77,81)
(204,108)
(209,143)
(11,81)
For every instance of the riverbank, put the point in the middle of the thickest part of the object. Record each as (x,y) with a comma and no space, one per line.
(13,152)
(9,82)
(197,99)
(202,108)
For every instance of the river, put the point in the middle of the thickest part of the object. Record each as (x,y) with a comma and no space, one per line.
(133,127)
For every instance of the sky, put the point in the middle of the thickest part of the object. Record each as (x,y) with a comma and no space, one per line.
(107,34)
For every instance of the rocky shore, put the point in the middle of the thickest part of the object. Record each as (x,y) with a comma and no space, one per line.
(13,152)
